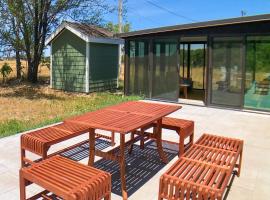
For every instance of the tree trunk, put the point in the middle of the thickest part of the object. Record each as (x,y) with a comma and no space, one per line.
(18,65)
(32,71)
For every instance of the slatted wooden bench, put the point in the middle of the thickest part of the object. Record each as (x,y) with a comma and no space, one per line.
(66,179)
(204,171)
(39,141)
(184,128)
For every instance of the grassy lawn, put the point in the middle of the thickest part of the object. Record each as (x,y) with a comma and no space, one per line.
(24,107)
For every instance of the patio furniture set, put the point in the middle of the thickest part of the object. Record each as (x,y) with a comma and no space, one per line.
(202,171)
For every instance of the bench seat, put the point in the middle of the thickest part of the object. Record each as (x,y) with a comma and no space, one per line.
(66,179)
(40,141)
(204,171)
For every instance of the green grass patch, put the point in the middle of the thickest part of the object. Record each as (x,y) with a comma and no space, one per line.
(70,106)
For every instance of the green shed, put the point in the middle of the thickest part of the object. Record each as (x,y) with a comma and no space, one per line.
(84,58)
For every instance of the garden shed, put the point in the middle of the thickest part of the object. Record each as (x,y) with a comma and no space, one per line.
(84,58)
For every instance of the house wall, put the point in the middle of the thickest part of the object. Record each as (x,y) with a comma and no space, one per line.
(103,62)
(237,30)
(68,62)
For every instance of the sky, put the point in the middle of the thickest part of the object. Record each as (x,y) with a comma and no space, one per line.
(143,14)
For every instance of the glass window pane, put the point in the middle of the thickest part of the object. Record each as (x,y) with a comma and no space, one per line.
(131,67)
(165,72)
(227,71)
(257,84)
(138,63)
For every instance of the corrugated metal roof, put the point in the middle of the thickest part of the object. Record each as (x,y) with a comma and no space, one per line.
(223,22)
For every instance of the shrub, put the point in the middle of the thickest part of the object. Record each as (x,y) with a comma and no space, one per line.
(5,71)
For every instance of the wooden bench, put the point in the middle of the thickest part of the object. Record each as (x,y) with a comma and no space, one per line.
(66,179)
(184,128)
(204,171)
(40,141)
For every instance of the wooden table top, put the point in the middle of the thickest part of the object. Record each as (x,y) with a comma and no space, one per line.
(125,117)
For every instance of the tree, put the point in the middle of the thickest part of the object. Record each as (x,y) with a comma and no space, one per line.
(36,19)
(115,28)
(9,35)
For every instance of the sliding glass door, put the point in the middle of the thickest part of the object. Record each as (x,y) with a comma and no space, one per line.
(138,68)
(257,83)
(165,77)
(227,70)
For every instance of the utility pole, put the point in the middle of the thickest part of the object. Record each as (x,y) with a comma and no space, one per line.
(120,16)
(120,13)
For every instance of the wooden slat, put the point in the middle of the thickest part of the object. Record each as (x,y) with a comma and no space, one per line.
(68,179)
(204,171)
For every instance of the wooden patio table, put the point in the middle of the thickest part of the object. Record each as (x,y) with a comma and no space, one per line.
(124,118)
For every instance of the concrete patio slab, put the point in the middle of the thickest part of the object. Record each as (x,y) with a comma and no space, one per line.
(253,128)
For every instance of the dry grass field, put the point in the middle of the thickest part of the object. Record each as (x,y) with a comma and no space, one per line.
(43,72)
(25,106)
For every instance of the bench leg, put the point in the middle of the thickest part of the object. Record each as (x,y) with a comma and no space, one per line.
(112,139)
(191,138)
(22,187)
(91,147)
(240,162)
(108,197)
(44,154)
(22,157)
(181,145)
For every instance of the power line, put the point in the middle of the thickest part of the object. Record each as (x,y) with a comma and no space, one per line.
(143,17)
(169,11)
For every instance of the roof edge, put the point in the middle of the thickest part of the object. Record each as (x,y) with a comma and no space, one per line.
(211,23)
(86,38)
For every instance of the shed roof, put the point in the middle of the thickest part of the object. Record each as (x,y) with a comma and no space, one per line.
(91,30)
(87,32)
(214,23)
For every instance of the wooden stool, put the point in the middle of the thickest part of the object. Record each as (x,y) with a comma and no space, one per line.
(66,179)
(184,128)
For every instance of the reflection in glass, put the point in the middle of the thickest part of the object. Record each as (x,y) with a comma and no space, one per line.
(165,72)
(138,63)
(227,71)
(257,84)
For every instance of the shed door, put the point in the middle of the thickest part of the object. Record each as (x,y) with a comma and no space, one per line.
(165,70)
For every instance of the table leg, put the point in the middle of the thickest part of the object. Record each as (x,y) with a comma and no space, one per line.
(157,131)
(142,139)
(123,166)
(132,143)
(91,147)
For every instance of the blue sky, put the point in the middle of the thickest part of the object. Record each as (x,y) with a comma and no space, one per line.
(142,14)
